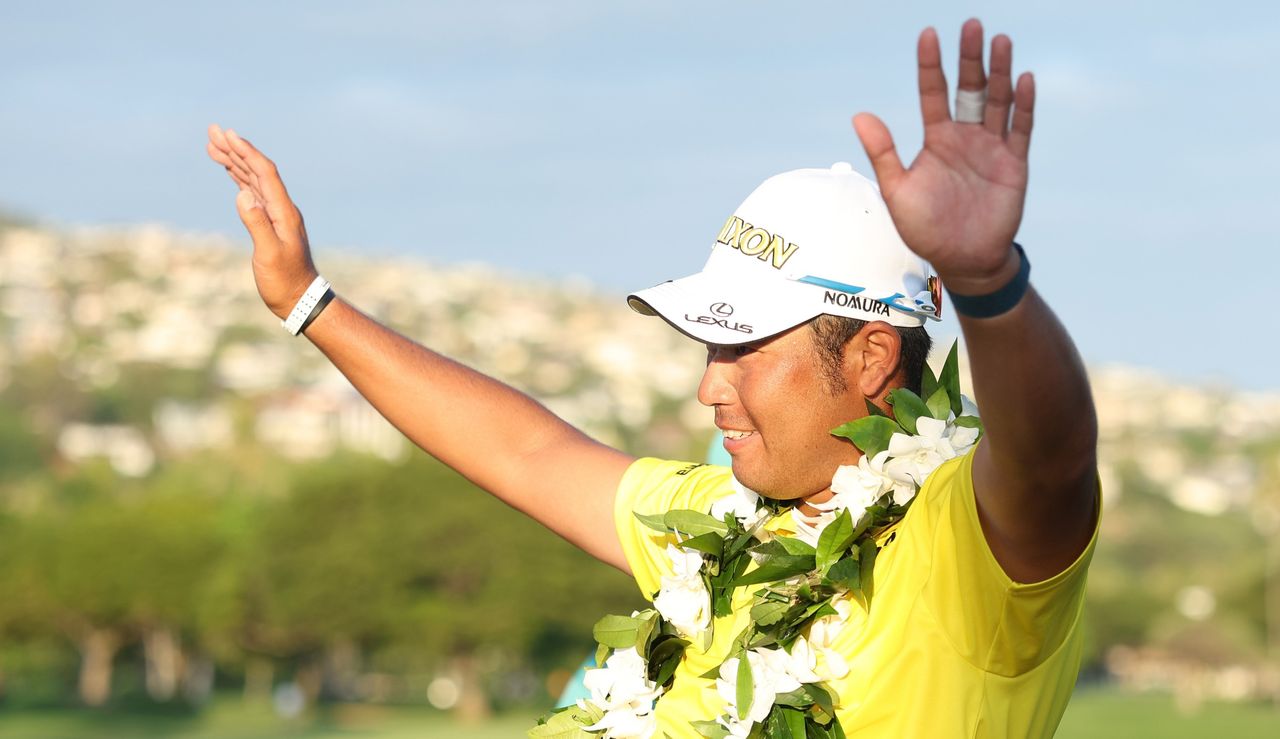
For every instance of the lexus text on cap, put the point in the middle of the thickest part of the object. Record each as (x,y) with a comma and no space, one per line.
(804,243)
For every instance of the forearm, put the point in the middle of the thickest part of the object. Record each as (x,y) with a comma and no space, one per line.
(1033,393)
(499,438)
(1034,474)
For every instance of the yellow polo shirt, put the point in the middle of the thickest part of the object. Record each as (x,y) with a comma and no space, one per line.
(951,647)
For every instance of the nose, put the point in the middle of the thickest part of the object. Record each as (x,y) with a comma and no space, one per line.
(717,386)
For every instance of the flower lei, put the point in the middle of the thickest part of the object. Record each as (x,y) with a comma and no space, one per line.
(773,681)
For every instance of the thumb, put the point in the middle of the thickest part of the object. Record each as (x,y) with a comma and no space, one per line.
(256,221)
(878,144)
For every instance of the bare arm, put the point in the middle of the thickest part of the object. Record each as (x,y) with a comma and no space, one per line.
(497,437)
(959,205)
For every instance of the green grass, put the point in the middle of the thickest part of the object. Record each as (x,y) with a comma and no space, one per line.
(1094,714)
(1110,714)
(230,719)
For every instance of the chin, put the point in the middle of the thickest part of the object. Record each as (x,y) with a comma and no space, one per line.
(765,486)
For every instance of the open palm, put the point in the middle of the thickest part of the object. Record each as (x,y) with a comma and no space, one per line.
(960,202)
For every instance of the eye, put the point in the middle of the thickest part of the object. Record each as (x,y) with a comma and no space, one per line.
(728,350)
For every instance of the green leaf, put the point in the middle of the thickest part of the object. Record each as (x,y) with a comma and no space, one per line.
(939,404)
(568,723)
(821,697)
(710,542)
(618,632)
(867,552)
(972,422)
(736,545)
(798,698)
(785,722)
(907,407)
(818,610)
(837,731)
(665,657)
(745,687)
(875,410)
(654,522)
(767,613)
(721,586)
(710,729)
(847,573)
(950,376)
(778,568)
(928,381)
(645,631)
(834,539)
(871,434)
(694,523)
(602,654)
(792,545)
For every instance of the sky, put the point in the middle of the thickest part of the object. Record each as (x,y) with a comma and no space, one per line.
(611,140)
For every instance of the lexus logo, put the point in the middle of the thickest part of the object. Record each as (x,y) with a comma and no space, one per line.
(722,309)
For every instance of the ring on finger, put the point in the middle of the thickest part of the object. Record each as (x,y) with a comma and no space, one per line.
(970,105)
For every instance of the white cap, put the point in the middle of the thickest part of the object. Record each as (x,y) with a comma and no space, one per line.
(804,243)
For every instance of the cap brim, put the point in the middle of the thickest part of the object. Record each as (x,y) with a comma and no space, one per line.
(727,309)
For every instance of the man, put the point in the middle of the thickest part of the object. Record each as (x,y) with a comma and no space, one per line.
(975,626)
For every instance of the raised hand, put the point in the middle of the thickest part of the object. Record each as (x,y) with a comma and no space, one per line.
(282,266)
(960,202)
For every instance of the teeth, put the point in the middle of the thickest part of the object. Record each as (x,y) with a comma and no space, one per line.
(737,434)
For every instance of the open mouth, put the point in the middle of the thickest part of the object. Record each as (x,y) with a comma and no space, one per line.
(736,435)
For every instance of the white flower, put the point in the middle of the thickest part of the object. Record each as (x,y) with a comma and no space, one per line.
(913,458)
(822,639)
(741,503)
(962,438)
(623,691)
(627,723)
(802,661)
(762,687)
(857,487)
(773,672)
(737,729)
(853,487)
(683,599)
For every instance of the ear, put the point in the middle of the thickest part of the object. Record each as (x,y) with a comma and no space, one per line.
(874,359)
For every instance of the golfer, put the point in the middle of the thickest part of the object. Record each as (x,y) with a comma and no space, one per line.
(813,306)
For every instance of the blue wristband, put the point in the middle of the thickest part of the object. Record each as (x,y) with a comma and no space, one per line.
(1001,301)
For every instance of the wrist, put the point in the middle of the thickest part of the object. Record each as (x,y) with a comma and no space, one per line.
(983,282)
(1001,294)
(308,306)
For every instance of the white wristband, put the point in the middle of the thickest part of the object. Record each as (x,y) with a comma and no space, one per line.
(306,305)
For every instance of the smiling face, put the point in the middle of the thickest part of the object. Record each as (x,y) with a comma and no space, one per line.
(777,410)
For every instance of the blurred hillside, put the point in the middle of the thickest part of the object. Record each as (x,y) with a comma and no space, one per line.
(191,499)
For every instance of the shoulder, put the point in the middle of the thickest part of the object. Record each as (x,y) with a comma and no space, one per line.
(653,486)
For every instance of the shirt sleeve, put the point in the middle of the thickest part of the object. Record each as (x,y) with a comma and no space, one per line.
(652,486)
(998,625)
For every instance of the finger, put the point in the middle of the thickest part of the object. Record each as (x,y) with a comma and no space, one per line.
(267,179)
(1024,103)
(226,161)
(242,184)
(1000,86)
(972,77)
(934,107)
(878,143)
(238,161)
(256,220)
(218,140)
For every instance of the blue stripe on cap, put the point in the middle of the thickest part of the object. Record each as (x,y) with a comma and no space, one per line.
(831,284)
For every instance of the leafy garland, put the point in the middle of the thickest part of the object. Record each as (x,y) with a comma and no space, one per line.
(773,682)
